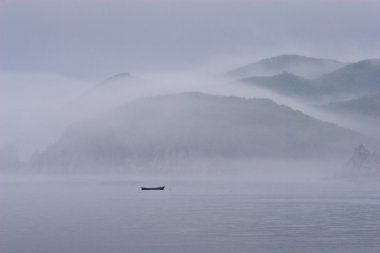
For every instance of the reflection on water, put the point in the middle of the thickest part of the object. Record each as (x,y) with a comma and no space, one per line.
(115,216)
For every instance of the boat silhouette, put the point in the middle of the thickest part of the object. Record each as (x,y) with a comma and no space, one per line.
(159,188)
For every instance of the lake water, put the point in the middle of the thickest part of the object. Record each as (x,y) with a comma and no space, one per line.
(80,216)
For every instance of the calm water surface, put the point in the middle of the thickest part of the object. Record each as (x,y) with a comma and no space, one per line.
(115,216)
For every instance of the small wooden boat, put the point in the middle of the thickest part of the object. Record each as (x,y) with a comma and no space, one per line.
(160,188)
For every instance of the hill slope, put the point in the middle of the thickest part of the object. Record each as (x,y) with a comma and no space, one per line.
(287,84)
(195,126)
(307,67)
(356,79)
(364,110)
(367,106)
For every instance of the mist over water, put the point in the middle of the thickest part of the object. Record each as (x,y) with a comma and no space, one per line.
(267,203)
(38,108)
(260,119)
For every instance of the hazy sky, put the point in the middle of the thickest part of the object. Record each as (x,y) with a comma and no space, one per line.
(94,39)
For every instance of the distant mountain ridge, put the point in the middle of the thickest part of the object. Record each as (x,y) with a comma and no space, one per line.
(287,84)
(103,96)
(350,81)
(308,67)
(363,110)
(367,106)
(117,77)
(360,78)
(186,126)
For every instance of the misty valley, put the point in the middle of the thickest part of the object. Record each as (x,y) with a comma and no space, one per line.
(288,112)
(279,155)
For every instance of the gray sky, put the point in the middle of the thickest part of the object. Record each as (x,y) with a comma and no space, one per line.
(94,39)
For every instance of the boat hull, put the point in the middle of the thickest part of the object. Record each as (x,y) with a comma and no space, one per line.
(160,188)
